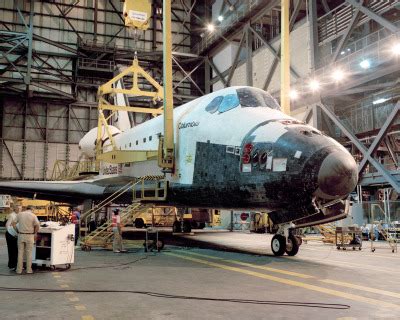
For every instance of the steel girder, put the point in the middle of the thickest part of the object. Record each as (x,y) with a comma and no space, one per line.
(368,153)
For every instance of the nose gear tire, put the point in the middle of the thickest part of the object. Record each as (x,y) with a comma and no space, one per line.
(278,245)
(292,246)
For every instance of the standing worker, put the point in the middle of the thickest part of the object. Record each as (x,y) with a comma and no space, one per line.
(75,219)
(27,225)
(116,227)
(12,236)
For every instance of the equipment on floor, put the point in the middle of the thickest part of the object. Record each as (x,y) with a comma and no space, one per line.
(348,237)
(54,245)
(389,234)
(153,242)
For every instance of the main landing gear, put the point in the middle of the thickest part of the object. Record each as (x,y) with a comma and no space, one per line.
(285,241)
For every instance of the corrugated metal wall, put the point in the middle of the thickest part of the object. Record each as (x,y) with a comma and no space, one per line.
(37,134)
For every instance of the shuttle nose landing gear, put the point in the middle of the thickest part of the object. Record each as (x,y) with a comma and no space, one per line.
(285,241)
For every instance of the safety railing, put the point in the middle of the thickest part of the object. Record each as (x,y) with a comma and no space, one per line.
(68,170)
(102,65)
(335,22)
(151,188)
(107,201)
(102,235)
(366,117)
(374,44)
(378,210)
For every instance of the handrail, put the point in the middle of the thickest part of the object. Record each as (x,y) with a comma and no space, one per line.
(105,226)
(109,199)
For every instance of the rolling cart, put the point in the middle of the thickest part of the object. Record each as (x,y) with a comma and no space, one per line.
(348,237)
(54,245)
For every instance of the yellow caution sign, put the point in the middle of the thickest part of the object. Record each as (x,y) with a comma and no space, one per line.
(137,13)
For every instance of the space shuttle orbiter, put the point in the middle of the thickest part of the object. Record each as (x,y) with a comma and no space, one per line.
(235,149)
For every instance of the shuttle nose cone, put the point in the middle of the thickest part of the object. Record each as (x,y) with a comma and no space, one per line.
(337,176)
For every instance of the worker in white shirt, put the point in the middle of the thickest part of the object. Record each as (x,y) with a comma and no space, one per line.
(116,227)
(27,225)
(12,236)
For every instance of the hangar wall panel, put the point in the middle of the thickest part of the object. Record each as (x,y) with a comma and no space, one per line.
(12,158)
(49,132)
(34,160)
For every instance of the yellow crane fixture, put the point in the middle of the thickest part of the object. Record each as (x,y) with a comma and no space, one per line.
(137,15)
(167,158)
(285,57)
(115,155)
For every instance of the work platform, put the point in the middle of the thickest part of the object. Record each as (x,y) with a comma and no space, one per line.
(376,179)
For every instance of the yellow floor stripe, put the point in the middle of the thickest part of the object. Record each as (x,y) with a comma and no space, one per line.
(74,299)
(61,281)
(303,285)
(333,249)
(290,273)
(80,307)
(69,292)
(56,276)
(364,288)
(64,286)
(359,265)
(88,317)
(200,255)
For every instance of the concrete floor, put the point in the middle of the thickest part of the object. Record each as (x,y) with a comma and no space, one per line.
(368,283)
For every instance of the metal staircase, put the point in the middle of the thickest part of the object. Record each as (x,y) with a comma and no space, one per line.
(328,232)
(147,188)
(103,235)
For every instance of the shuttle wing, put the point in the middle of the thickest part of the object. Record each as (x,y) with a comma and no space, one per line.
(68,191)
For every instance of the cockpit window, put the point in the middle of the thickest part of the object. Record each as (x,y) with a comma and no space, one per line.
(252,97)
(230,101)
(212,107)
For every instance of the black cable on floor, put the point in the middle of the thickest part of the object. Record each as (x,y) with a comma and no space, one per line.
(171,296)
(82,268)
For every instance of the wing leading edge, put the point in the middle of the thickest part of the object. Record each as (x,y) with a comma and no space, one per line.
(67,191)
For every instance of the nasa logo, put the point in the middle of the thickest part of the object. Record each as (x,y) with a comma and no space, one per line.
(183,125)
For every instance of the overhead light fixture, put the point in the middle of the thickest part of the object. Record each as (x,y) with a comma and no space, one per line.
(380,100)
(210,27)
(342,52)
(365,64)
(396,49)
(220,18)
(293,94)
(338,75)
(314,85)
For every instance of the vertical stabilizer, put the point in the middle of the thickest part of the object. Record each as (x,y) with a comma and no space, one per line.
(121,118)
